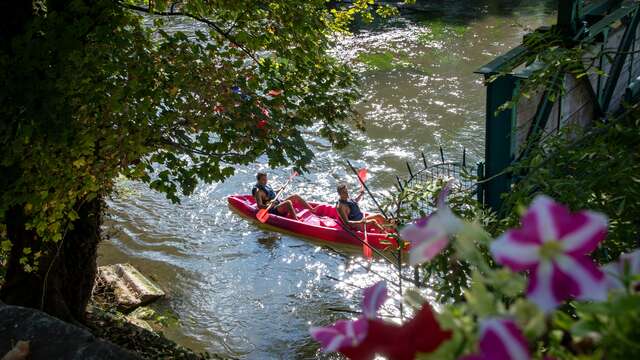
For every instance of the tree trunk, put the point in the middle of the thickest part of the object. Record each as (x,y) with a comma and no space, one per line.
(61,285)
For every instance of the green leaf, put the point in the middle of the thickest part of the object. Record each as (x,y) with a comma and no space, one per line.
(5,245)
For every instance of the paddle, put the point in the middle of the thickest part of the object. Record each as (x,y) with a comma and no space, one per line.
(367,189)
(263,214)
(366,249)
(362,174)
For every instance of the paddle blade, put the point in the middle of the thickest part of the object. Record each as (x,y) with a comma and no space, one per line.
(362,174)
(295,173)
(262,215)
(366,251)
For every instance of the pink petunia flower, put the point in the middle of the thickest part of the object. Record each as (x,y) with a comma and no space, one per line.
(616,271)
(501,339)
(342,334)
(430,235)
(553,244)
(363,338)
(350,333)
(373,298)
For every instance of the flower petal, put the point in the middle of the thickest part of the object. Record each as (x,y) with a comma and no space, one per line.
(590,281)
(374,297)
(381,337)
(355,330)
(423,332)
(540,289)
(441,202)
(330,338)
(342,334)
(516,250)
(445,218)
(538,221)
(425,251)
(588,229)
(501,339)
(422,230)
(417,231)
(614,273)
(633,260)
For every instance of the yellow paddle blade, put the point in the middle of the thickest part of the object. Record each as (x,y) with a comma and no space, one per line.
(262,215)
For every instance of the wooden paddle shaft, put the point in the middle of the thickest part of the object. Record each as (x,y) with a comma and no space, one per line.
(368,191)
(279,192)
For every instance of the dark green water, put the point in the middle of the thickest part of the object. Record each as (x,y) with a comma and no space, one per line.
(248,292)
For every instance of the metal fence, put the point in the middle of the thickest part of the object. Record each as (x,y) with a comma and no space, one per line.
(464,177)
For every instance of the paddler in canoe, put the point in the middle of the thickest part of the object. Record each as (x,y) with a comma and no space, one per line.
(264,195)
(350,213)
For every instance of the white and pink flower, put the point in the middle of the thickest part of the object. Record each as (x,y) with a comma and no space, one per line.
(553,244)
(430,235)
(350,333)
(501,339)
(342,334)
(627,265)
(373,299)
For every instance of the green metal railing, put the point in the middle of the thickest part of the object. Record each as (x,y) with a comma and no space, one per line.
(579,25)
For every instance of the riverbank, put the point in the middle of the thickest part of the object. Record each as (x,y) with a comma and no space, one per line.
(114,327)
(139,331)
(105,322)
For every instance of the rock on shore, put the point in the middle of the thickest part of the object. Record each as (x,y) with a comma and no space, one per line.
(50,338)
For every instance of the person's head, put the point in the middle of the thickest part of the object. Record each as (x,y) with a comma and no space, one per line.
(262,178)
(343,191)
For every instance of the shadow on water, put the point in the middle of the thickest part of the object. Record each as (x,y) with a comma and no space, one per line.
(269,242)
(462,12)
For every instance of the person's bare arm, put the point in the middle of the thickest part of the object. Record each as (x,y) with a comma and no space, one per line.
(341,212)
(359,197)
(259,200)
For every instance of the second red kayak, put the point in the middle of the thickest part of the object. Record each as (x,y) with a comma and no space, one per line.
(322,225)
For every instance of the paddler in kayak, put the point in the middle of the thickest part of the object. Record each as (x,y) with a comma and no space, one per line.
(264,194)
(350,212)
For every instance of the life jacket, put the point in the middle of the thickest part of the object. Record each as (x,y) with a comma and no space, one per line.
(267,190)
(355,213)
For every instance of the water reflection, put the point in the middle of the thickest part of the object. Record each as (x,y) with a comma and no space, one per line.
(242,290)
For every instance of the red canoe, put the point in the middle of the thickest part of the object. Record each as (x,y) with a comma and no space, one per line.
(322,225)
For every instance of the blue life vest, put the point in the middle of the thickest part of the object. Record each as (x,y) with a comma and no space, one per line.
(354,210)
(267,190)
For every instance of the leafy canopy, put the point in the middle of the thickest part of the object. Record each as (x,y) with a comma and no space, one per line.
(95,89)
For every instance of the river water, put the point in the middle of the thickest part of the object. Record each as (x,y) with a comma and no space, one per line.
(251,293)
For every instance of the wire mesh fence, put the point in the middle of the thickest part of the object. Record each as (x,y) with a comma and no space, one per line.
(463,179)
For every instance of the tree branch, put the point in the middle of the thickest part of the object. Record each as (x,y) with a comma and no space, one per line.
(193,150)
(208,22)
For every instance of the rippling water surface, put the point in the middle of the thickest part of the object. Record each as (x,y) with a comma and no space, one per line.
(252,293)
